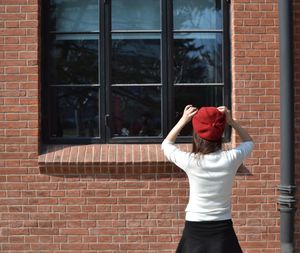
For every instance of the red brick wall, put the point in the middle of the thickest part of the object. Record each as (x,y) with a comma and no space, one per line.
(119,199)
(256,103)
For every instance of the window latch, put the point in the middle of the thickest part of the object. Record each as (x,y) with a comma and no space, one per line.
(107,120)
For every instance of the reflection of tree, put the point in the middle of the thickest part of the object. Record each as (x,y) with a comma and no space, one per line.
(135,14)
(136,61)
(76,108)
(195,62)
(75,62)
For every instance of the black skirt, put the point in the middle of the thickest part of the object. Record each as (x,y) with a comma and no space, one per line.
(209,237)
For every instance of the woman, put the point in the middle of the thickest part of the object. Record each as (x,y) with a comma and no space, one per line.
(208,226)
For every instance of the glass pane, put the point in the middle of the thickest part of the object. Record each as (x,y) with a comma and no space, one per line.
(74,112)
(197,96)
(136,15)
(197,14)
(74,16)
(136,111)
(136,59)
(73,59)
(197,58)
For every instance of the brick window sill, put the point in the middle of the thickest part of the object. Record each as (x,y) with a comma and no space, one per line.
(102,155)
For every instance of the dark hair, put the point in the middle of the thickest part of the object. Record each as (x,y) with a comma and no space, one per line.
(201,146)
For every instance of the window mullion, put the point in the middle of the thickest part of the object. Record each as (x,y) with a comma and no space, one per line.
(169,91)
(105,68)
(45,62)
(226,59)
(226,53)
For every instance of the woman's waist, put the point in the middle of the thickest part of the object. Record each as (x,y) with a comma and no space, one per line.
(208,215)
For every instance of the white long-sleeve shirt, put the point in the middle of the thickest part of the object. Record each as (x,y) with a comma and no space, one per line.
(210,177)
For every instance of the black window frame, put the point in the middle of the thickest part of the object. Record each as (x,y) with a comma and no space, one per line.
(104,70)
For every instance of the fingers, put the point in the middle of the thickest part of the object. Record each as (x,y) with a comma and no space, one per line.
(192,110)
(189,112)
(225,110)
(187,107)
(222,109)
(227,113)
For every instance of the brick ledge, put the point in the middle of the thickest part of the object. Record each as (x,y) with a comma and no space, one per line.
(102,154)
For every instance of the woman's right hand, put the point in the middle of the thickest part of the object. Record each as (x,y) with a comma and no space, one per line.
(227,112)
(234,124)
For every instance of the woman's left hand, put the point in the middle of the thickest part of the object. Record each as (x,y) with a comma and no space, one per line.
(188,113)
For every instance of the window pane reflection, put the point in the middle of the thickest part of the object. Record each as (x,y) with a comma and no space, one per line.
(136,15)
(74,112)
(197,96)
(195,14)
(74,16)
(136,59)
(136,111)
(197,58)
(73,60)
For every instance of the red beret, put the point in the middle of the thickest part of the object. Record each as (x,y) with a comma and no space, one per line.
(209,123)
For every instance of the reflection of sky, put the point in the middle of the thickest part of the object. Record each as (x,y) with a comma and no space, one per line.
(76,15)
(136,14)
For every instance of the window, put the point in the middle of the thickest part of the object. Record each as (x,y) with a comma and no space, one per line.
(123,70)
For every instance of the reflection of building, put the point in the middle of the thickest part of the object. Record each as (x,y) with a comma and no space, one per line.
(125,197)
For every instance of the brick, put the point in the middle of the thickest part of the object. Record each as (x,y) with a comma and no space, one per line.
(11,40)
